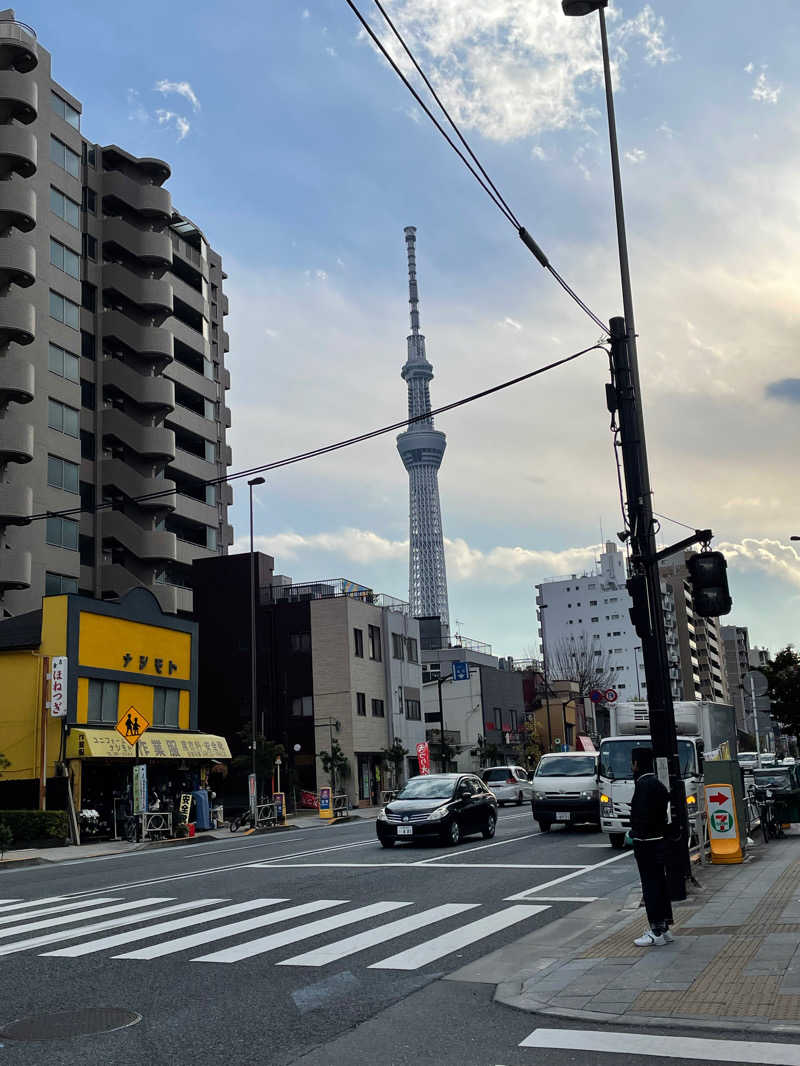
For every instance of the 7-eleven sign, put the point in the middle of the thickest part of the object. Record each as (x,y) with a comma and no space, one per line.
(723,830)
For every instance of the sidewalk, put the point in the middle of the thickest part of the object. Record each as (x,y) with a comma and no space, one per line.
(735,962)
(20,857)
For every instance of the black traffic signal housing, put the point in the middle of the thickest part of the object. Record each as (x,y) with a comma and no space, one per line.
(709,580)
(640,611)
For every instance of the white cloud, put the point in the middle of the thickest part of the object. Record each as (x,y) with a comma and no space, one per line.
(306,13)
(740,503)
(271,333)
(769,557)
(510,323)
(170,119)
(749,68)
(512,68)
(636,155)
(182,88)
(539,153)
(666,130)
(322,275)
(764,92)
(137,112)
(330,51)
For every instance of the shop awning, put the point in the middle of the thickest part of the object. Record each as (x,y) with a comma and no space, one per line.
(108,744)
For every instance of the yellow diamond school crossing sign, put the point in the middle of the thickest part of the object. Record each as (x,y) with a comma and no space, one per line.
(132,724)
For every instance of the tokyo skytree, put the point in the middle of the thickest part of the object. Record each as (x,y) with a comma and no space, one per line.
(421,448)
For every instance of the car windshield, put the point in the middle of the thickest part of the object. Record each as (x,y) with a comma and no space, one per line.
(615,758)
(501,774)
(566,767)
(772,779)
(427,787)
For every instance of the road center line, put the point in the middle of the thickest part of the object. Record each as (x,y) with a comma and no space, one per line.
(481,847)
(674,1047)
(531,892)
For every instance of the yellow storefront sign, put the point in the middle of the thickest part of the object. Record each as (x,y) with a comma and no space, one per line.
(139,649)
(132,725)
(108,744)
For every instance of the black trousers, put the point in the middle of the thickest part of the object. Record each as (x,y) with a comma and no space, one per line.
(650,858)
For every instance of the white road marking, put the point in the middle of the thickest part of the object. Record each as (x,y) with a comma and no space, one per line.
(14,906)
(18,916)
(480,847)
(170,947)
(161,927)
(4,902)
(416,866)
(124,917)
(531,893)
(90,910)
(361,941)
(414,958)
(568,899)
(300,932)
(673,1047)
(593,845)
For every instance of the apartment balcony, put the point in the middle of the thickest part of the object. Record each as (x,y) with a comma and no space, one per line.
(18,46)
(154,392)
(16,504)
(225,377)
(150,201)
(149,342)
(224,304)
(153,295)
(142,543)
(17,262)
(19,97)
(189,254)
(150,442)
(120,475)
(194,465)
(190,337)
(17,205)
(17,378)
(188,552)
(16,442)
(17,319)
(151,170)
(196,510)
(151,247)
(191,297)
(15,568)
(18,152)
(118,580)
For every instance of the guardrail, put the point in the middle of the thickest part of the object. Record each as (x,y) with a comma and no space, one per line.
(341,806)
(156,825)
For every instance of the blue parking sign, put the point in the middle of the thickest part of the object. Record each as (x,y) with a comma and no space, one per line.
(460,671)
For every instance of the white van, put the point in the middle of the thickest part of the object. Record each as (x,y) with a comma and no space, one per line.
(565,789)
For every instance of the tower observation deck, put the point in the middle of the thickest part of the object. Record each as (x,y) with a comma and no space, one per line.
(421,448)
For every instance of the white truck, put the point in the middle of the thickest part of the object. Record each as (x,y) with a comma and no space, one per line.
(703,729)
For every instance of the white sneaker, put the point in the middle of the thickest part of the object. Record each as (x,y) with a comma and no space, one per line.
(668,937)
(649,940)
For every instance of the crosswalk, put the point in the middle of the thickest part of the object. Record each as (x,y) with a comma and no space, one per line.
(219,931)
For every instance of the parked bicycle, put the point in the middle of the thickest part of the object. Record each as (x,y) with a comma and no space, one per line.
(771,823)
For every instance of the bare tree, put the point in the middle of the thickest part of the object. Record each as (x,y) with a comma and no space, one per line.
(577,659)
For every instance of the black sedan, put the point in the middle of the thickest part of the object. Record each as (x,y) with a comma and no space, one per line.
(445,806)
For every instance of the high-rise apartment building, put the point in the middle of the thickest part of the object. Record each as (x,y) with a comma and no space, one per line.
(590,613)
(736,641)
(702,655)
(112,359)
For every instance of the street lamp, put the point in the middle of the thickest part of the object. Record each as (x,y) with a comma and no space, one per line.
(253,799)
(645,583)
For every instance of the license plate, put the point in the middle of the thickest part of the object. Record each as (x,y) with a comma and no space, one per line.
(405,830)
(563,816)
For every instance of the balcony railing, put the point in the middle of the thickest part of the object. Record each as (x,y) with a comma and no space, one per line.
(330,588)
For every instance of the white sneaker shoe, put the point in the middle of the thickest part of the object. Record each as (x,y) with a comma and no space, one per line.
(668,937)
(649,940)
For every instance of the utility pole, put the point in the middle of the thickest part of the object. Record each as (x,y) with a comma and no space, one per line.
(439,682)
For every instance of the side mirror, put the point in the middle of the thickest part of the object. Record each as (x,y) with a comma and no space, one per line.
(700,763)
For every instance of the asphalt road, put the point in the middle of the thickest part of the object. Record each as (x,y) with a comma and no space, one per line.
(315,946)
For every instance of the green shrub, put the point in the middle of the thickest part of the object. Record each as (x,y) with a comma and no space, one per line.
(6,839)
(35,825)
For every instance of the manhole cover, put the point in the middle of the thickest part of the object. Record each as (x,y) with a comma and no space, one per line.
(57,1025)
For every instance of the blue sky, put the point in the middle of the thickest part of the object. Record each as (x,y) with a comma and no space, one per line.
(303,157)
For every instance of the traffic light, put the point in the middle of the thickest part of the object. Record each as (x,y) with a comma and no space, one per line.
(709,581)
(640,611)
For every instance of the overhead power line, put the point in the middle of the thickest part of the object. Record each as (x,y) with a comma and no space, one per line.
(337,446)
(478,171)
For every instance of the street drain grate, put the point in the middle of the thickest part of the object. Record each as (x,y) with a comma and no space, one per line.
(58,1025)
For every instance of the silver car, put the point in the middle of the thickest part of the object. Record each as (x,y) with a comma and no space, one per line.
(510,784)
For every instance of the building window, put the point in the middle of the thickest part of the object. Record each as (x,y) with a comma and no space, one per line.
(374,643)
(88,394)
(103,701)
(303,707)
(413,710)
(64,310)
(64,258)
(89,199)
(211,538)
(62,533)
(87,445)
(64,157)
(300,641)
(88,345)
(361,705)
(89,246)
(59,584)
(65,208)
(62,474)
(377,709)
(596,619)
(65,110)
(87,496)
(411,650)
(397,645)
(592,603)
(89,154)
(62,418)
(88,296)
(63,363)
(358,643)
(165,706)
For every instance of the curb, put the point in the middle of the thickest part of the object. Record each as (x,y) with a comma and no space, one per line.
(19,864)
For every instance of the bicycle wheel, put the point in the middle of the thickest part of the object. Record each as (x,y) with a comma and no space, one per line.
(763,818)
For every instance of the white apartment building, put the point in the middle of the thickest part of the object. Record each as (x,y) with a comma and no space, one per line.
(595,607)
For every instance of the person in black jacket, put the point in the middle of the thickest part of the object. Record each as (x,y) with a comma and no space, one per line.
(649,823)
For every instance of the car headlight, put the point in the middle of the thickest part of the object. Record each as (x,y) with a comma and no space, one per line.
(591,794)
(382,816)
(438,814)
